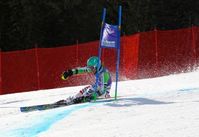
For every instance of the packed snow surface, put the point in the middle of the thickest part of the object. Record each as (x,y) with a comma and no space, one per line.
(159,107)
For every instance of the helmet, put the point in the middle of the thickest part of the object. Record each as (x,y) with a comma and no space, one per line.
(93,62)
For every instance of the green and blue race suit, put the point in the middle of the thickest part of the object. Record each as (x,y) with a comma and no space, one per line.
(101,86)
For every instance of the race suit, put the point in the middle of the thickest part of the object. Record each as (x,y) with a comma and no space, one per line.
(101,86)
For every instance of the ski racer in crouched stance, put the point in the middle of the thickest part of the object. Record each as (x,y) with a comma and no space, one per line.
(101,86)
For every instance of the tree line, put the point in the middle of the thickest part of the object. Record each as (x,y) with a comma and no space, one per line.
(25,24)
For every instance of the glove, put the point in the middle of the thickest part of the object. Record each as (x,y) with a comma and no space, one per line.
(66,74)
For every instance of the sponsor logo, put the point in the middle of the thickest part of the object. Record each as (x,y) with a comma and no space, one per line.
(107,43)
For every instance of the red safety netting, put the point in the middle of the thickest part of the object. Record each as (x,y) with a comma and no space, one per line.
(196,43)
(174,51)
(52,62)
(129,57)
(143,55)
(147,55)
(19,71)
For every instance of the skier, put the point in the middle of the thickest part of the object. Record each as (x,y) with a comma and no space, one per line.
(101,86)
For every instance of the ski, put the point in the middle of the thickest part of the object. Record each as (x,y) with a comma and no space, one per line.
(63,103)
(38,107)
(57,104)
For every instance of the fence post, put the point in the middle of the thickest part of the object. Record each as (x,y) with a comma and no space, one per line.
(77,53)
(193,46)
(156,49)
(37,66)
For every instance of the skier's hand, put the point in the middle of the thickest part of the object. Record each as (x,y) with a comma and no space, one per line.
(66,74)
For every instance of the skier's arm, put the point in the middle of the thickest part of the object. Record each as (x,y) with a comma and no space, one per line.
(81,70)
(75,71)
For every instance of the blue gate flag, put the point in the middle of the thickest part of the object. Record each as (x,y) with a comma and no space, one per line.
(110,35)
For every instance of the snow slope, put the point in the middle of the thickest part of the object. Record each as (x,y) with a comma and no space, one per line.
(159,107)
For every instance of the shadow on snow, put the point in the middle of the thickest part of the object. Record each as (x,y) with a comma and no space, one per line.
(127,102)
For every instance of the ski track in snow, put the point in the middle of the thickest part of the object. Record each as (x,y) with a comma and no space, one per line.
(40,122)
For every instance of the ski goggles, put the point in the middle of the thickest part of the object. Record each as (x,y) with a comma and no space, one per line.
(92,68)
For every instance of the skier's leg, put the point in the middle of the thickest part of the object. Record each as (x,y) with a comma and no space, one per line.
(83,91)
(86,93)
(82,96)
